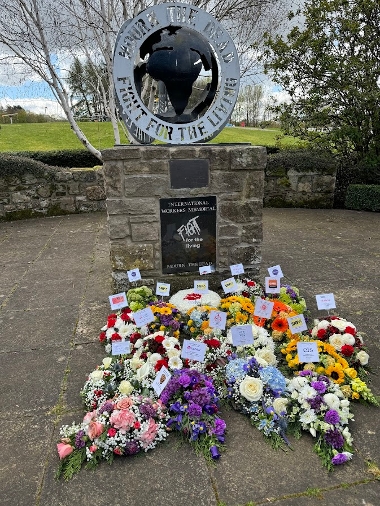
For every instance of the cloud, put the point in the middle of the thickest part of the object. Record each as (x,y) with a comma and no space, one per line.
(36,105)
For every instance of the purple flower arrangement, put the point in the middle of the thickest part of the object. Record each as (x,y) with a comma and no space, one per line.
(193,407)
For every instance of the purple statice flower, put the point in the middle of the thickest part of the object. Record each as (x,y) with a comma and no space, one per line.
(184,380)
(107,406)
(79,443)
(323,378)
(334,438)
(315,402)
(131,448)
(319,386)
(219,427)
(147,410)
(194,410)
(201,396)
(332,417)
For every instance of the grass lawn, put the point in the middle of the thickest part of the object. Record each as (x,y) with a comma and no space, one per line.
(59,136)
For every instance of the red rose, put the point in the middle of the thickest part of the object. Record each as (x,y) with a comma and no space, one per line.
(347,350)
(212,343)
(251,283)
(111,432)
(350,330)
(321,334)
(134,337)
(159,339)
(136,425)
(102,337)
(245,294)
(117,451)
(116,337)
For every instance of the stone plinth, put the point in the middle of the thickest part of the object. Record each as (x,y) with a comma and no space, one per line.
(137,177)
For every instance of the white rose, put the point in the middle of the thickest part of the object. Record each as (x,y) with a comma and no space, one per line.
(337,341)
(251,388)
(349,339)
(363,357)
(332,401)
(279,405)
(322,324)
(107,361)
(298,382)
(96,375)
(142,372)
(154,358)
(175,363)
(267,355)
(125,387)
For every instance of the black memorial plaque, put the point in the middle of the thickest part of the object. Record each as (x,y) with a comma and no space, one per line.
(189,173)
(188,233)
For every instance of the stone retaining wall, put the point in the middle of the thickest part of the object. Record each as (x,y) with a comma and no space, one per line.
(58,191)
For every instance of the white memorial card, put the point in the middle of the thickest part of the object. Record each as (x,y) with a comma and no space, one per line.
(193,350)
(217,319)
(229,285)
(118,301)
(121,348)
(161,380)
(297,323)
(237,269)
(263,308)
(143,317)
(163,289)
(275,271)
(272,284)
(201,286)
(205,269)
(242,335)
(307,352)
(325,301)
(134,275)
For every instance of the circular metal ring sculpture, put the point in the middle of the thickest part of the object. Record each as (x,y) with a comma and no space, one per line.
(176,75)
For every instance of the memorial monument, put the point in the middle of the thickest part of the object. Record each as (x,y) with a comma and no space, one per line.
(180,204)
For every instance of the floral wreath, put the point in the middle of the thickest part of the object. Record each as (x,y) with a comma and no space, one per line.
(185,300)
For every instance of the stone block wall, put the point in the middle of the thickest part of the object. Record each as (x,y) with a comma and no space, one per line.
(136,177)
(294,187)
(54,192)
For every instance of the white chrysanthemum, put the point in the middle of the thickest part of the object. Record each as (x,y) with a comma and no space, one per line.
(337,341)
(126,329)
(308,417)
(168,343)
(307,392)
(332,401)
(298,382)
(175,363)
(173,352)
(347,436)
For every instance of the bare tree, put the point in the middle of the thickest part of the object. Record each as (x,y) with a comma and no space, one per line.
(42,37)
